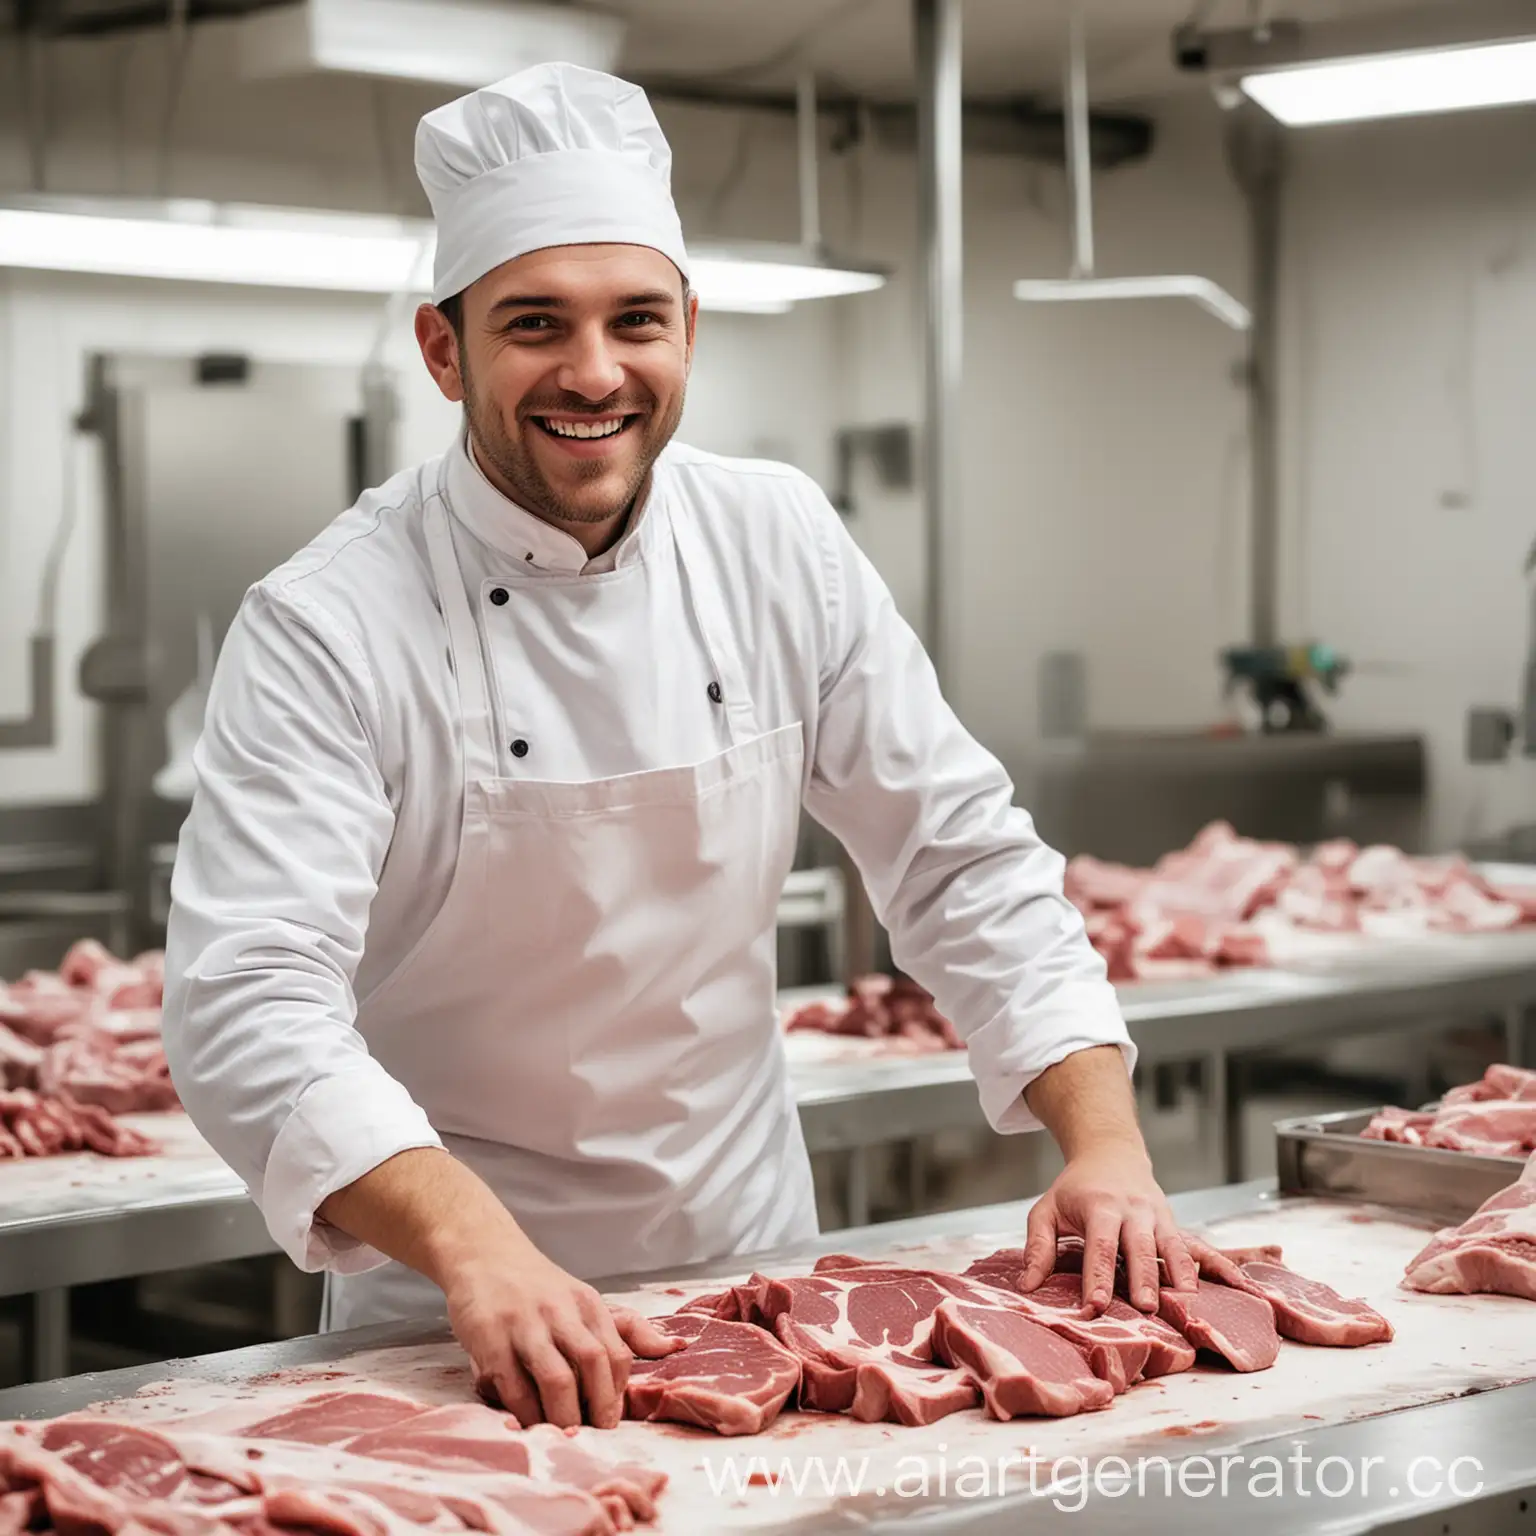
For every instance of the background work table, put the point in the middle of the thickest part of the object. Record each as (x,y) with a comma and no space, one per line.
(75,1220)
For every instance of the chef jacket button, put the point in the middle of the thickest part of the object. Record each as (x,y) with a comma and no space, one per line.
(519,748)
(715,694)
(499,596)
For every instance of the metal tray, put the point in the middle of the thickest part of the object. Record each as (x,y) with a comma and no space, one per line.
(1326,1155)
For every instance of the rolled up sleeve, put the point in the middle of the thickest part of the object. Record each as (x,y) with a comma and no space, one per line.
(276,869)
(971,897)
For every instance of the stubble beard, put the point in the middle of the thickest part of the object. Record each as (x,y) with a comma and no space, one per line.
(531,490)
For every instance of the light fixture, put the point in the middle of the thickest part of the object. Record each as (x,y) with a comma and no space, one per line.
(1211,297)
(465,43)
(1443,58)
(765,278)
(1398,85)
(217,243)
(1082,284)
(769,279)
(288,248)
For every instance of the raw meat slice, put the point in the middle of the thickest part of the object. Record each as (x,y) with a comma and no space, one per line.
(1090,883)
(1021,1367)
(1220,875)
(1493,1251)
(1227,900)
(890,1008)
(36,1125)
(332,1418)
(20,1510)
(87,1036)
(1499,1081)
(1313,1313)
(1396,1124)
(1267,1253)
(1121,1344)
(1491,1127)
(732,1378)
(101,1476)
(1307,1311)
(128,1458)
(1234,1324)
(464,1437)
(97,1068)
(85,963)
(864,1344)
(19,1059)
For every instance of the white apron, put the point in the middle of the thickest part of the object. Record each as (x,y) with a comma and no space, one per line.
(589,1022)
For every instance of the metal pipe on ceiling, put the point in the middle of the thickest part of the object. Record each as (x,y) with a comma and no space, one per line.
(1255,146)
(1079,157)
(937,39)
(805,138)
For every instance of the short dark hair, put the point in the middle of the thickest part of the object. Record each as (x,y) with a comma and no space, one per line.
(452,310)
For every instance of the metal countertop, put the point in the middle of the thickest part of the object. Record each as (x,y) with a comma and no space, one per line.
(45,1399)
(1495,1427)
(857,1102)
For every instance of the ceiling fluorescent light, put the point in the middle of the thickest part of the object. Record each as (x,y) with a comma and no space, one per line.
(463,43)
(1213,299)
(771,278)
(208,243)
(290,248)
(1398,84)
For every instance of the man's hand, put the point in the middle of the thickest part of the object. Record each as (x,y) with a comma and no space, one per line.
(1109,1197)
(544,1343)
(1107,1194)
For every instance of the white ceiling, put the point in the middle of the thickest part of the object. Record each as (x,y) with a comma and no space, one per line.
(1011,47)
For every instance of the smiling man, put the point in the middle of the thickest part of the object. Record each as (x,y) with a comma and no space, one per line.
(471,956)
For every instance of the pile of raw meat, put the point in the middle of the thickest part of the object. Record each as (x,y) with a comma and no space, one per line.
(338,1463)
(881,1341)
(1492,1251)
(893,1009)
(1229,901)
(1493,1117)
(79,1047)
(874,1340)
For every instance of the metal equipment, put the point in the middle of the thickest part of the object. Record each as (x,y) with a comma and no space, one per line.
(1280,679)
(216,471)
(1327,1155)
(1082,282)
(1131,797)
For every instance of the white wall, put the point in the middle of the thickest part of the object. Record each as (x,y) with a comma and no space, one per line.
(1104,484)
(1410,408)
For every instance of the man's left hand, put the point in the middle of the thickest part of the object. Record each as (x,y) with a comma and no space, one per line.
(1108,1196)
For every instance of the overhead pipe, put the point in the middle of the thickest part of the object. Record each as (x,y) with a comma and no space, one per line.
(1255,147)
(937,34)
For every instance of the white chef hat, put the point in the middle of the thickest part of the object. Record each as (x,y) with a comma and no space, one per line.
(555,155)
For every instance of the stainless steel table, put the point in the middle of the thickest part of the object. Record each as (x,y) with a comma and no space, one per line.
(852,1104)
(1494,1426)
(75,1220)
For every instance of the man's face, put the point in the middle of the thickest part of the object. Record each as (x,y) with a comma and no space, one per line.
(572,366)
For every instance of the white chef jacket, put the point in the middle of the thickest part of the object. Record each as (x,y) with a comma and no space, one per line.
(323,834)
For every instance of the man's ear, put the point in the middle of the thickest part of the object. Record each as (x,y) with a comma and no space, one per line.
(692,325)
(439,344)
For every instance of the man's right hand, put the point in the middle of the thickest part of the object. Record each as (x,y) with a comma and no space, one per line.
(547,1345)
